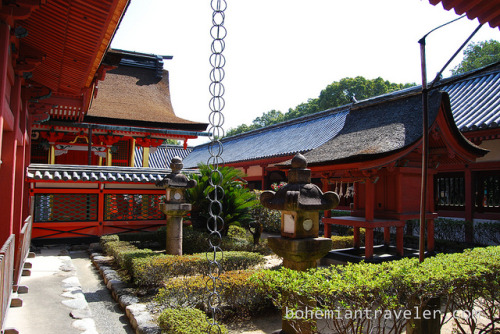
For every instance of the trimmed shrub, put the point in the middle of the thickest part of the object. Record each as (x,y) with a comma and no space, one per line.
(240,296)
(124,253)
(347,241)
(342,241)
(237,232)
(185,321)
(463,281)
(107,238)
(152,271)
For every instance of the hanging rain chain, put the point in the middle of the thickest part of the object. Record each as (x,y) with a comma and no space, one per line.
(215,222)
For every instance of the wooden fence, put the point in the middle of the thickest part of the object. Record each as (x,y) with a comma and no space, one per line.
(6,277)
(22,250)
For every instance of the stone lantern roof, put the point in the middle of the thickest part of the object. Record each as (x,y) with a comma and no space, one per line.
(299,193)
(176,179)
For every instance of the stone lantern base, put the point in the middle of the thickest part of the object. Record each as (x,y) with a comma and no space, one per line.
(174,212)
(300,254)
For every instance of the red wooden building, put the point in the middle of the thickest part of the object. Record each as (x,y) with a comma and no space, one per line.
(53,58)
(378,155)
(50,55)
(95,175)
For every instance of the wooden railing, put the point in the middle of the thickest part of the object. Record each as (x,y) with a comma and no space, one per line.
(6,277)
(22,250)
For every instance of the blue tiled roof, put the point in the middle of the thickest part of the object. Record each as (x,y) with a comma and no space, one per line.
(162,157)
(299,135)
(475,102)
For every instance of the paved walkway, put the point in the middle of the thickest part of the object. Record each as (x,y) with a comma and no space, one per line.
(66,296)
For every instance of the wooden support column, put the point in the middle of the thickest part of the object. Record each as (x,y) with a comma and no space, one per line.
(132,152)
(109,156)
(469,204)
(369,243)
(145,156)
(16,105)
(52,153)
(357,239)
(4,64)
(263,180)
(369,216)
(7,182)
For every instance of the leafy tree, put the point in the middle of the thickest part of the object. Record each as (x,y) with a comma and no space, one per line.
(477,55)
(237,201)
(172,142)
(336,94)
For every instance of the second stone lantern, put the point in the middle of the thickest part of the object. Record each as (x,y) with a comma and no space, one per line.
(299,202)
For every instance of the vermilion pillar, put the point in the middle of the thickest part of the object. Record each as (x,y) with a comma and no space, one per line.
(7,140)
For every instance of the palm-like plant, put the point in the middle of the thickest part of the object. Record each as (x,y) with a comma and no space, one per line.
(237,200)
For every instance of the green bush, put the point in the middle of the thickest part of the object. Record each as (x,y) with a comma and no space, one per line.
(152,271)
(463,281)
(124,253)
(185,321)
(237,232)
(240,296)
(270,219)
(340,241)
(107,238)
(347,241)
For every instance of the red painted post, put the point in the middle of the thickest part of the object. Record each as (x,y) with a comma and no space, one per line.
(469,206)
(357,240)
(4,63)
(387,235)
(369,200)
(100,210)
(399,241)
(369,243)
(18,219)
(327,233)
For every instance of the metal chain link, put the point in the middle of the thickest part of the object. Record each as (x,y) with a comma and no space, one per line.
(215,222)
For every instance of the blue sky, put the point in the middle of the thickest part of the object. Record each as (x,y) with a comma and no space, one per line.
(282,52)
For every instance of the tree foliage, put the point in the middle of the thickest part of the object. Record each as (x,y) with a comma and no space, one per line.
(334,95)
(477,55)
(237,201)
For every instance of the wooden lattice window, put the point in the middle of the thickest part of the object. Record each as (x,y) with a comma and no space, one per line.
(487,191)
(132,207)
(450,191)
(65,207)
(121,153)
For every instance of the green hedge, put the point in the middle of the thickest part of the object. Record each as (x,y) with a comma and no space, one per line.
(185,321)
(152,271)
(240,296)
(464,282)
(346,241)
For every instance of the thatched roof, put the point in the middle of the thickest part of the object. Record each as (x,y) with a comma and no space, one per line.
(135,96)
(383,127)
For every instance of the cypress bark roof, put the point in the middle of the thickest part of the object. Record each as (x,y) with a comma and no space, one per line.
(382,127)
(132,95)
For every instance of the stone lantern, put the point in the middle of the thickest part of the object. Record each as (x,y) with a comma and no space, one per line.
(175,206)
(299,202)
(299,244)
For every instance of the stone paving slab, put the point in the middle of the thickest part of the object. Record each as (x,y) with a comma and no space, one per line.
(57,302)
